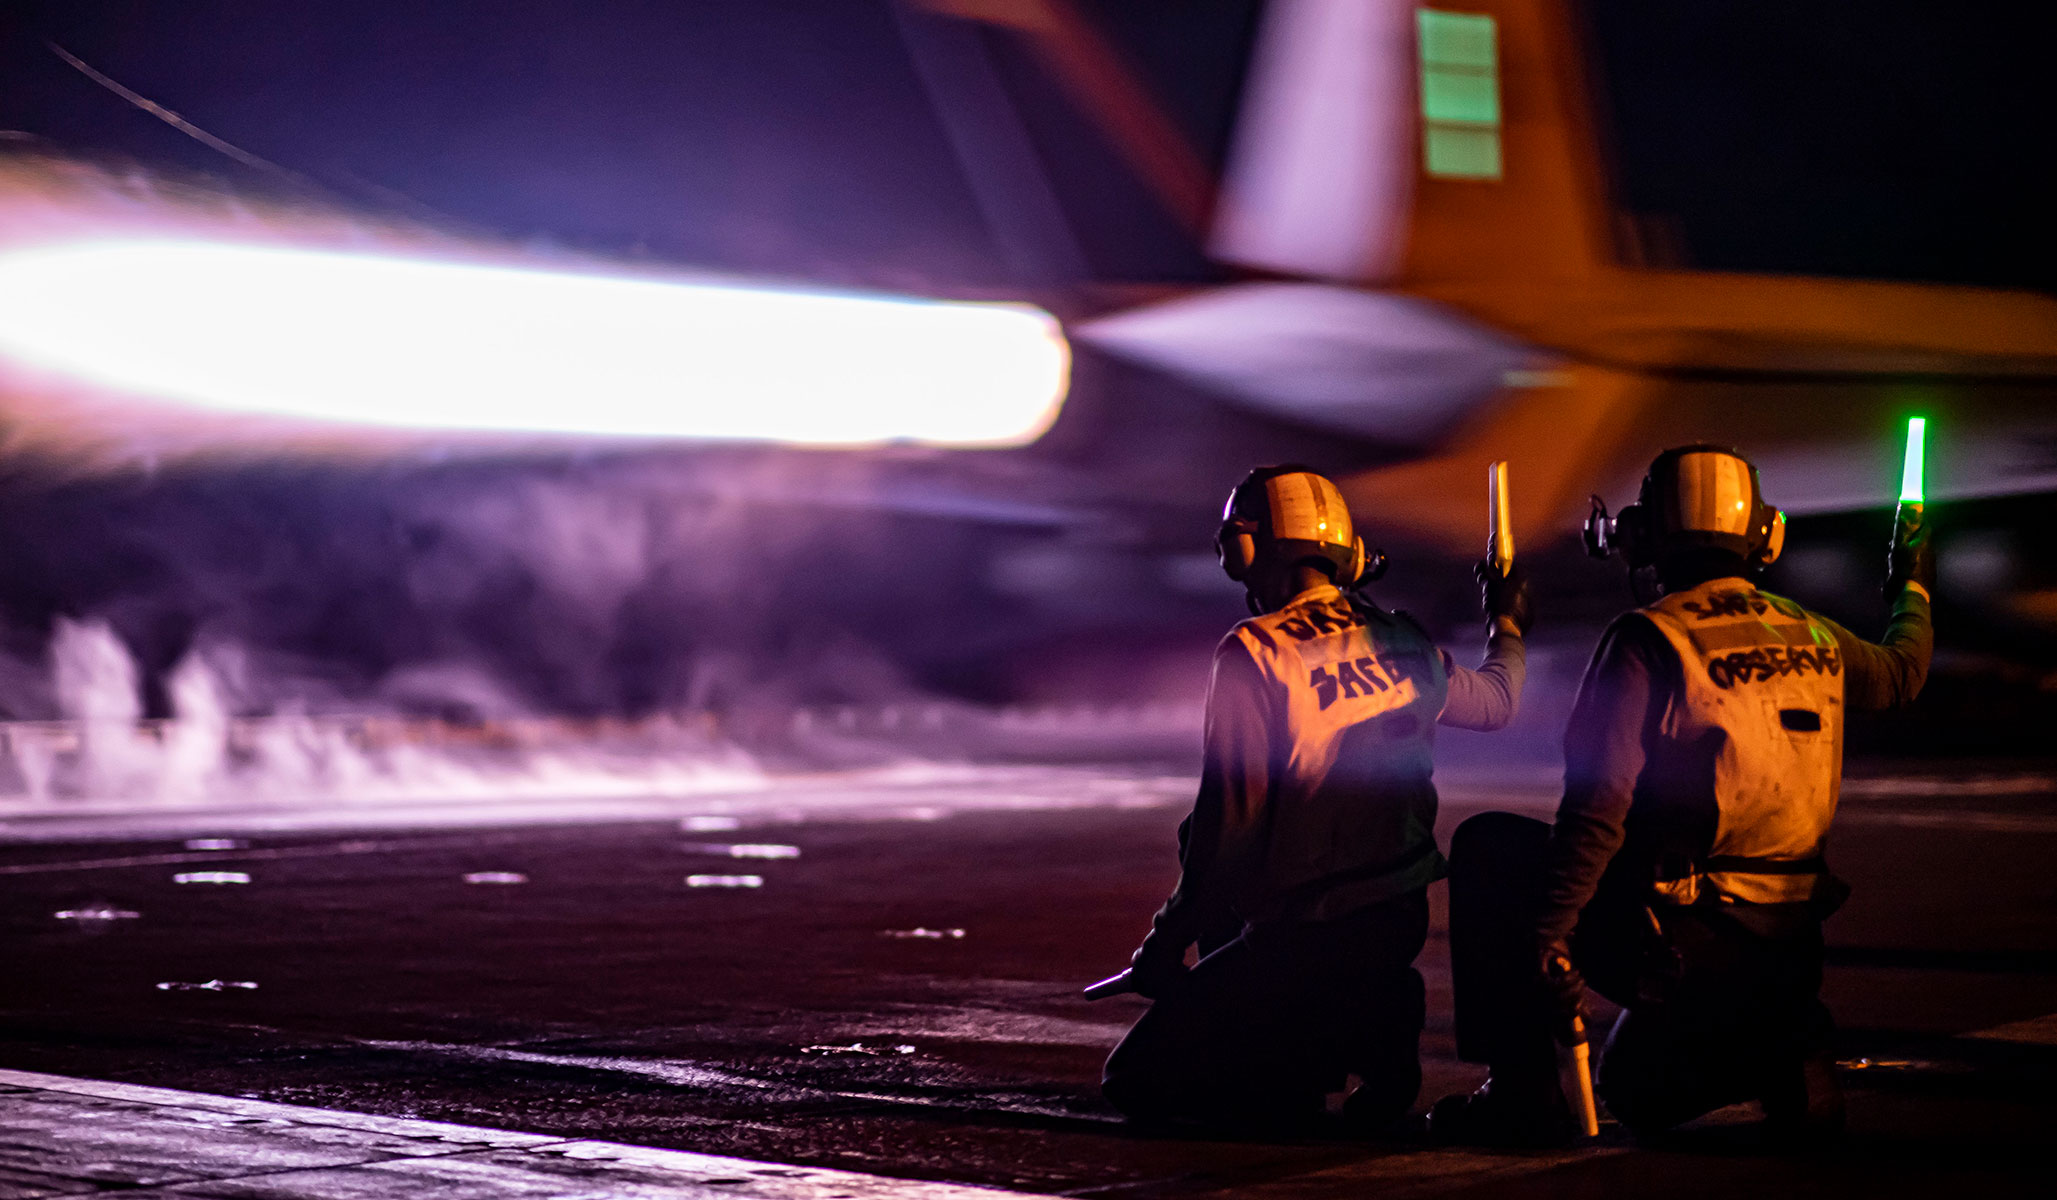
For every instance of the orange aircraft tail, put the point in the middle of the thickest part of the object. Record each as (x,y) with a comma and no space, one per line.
(1405,145)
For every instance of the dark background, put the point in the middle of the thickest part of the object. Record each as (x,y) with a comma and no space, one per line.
(1888,140)
(794,140)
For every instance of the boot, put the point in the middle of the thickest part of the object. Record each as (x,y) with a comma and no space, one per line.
(1512,1111)
(1803,1103)
(1379,1103)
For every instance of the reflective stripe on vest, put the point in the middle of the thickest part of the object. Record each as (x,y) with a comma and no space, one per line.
(1763,693)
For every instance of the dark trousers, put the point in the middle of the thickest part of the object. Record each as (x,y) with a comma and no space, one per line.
(1267,1024)
(1716,1012)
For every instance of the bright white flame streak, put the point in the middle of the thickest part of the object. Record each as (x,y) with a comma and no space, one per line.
(423,344)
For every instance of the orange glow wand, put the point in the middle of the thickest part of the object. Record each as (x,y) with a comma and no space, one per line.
(1500,526)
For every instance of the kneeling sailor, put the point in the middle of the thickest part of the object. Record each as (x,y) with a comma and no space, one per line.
(1306,860)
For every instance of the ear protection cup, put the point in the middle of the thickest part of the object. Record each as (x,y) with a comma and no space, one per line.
(1374,568)
(1236,546)
(1243,549)
(1596,534)
(1353,570)
(1631,535)
(1773,533)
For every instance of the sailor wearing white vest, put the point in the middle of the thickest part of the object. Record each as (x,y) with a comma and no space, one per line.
(1686,875)
(1306,861)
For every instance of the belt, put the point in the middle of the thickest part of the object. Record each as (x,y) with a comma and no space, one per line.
(1305,894)
(1739,864)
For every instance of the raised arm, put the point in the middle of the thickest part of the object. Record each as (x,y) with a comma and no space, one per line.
(1488,698)
(1888,673)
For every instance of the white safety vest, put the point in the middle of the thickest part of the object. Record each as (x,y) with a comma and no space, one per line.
(1351,808)
(1763,693)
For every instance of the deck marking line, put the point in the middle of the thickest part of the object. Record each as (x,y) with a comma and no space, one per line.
(514,1157)
(2036,1031)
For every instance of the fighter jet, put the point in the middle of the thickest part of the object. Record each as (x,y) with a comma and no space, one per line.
(1434,257)
(1415,256)
(1434,261)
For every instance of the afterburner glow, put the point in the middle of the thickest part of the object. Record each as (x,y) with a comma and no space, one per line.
(426,344)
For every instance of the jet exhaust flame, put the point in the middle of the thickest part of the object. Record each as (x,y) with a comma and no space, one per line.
(286,585)
(418,343)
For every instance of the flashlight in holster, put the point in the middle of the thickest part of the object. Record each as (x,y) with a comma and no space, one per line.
(1588,1110)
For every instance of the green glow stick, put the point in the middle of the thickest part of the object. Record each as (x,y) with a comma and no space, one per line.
(1910,470)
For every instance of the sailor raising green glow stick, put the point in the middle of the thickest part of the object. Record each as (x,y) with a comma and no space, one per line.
(1911,466)
(1910,528)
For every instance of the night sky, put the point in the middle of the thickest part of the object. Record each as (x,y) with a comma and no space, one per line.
(790,139)
(795,139)
(1885,140)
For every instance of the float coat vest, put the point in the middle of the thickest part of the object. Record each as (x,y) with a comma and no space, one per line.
(1356,691)
(1762,706)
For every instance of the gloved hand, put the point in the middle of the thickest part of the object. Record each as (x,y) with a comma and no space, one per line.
(1564,990)
(1913,556)
(1158,965)
(1505,595)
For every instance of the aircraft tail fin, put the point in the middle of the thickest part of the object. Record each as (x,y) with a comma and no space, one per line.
(1397,144)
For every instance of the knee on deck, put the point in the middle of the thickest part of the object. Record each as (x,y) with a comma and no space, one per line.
(1493,837)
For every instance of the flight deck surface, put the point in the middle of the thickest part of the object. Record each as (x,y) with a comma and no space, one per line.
(872,976)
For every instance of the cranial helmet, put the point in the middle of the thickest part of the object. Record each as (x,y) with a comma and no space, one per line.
(1695,497)
(1281,516)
